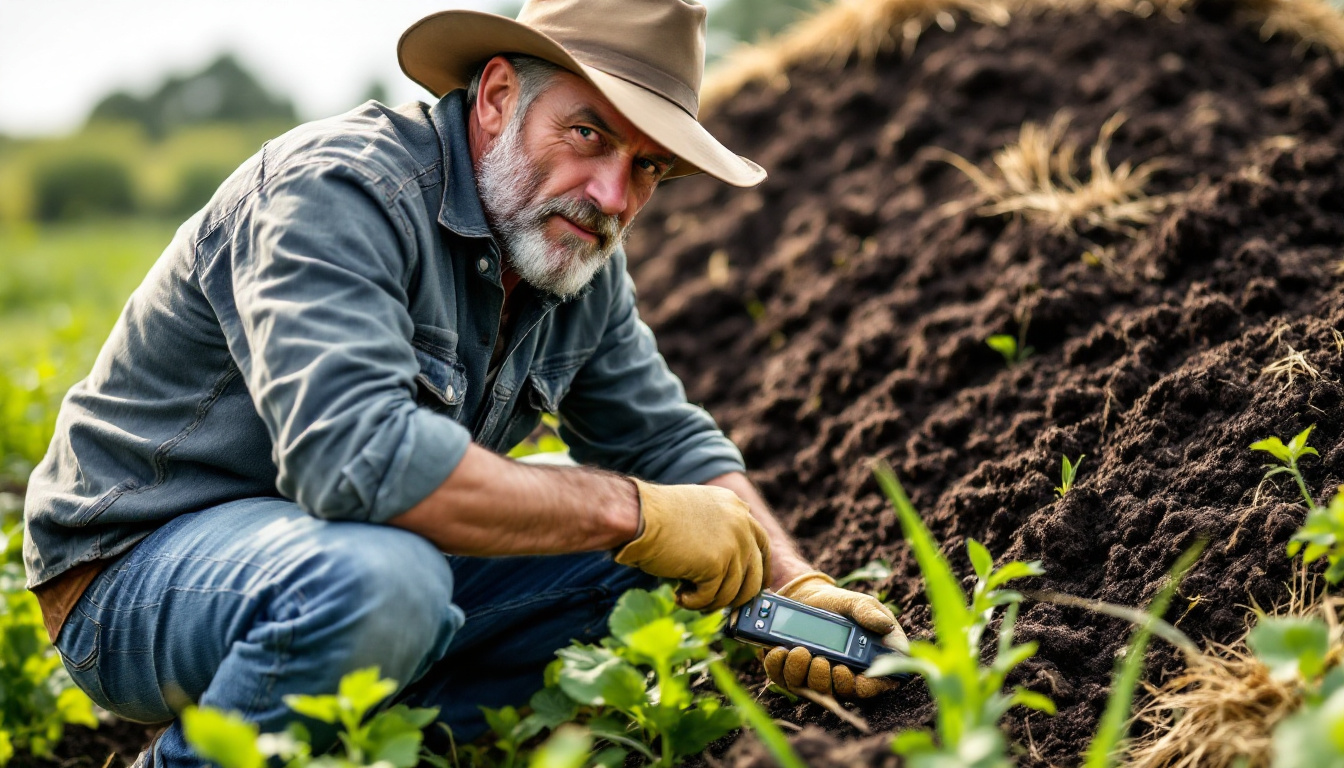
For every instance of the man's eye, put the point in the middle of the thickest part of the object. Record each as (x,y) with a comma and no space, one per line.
(585,133)
(650,167)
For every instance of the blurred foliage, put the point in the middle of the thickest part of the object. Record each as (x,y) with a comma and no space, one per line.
(77,187)
(223,92)
(61,289)
(734,22)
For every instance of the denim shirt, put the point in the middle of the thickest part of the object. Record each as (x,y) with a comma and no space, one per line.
(321,331)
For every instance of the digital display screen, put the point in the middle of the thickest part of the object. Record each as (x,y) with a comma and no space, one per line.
(797,625)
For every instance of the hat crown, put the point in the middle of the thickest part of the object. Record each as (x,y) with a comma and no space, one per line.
(657,44)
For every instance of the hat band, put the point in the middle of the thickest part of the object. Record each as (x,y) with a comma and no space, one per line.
(636,72)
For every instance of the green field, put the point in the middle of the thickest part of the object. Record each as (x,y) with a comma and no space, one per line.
(61,289)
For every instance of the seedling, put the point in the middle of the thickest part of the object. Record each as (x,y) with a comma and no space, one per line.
(876,571)
(1107,745)
(1067,473)
(1322,535)
(1288,455)
(970,697)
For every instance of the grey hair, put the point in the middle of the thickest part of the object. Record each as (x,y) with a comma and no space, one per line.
(534,75)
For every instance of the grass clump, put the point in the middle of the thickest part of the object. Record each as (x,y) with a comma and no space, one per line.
(1037,178)
(969,696)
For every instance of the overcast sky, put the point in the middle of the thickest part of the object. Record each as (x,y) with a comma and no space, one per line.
(58,57)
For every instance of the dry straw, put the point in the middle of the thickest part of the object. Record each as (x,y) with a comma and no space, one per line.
(863,29)
(1222,710)
(1037,177)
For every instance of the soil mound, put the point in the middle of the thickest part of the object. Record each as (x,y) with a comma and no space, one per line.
(838,313)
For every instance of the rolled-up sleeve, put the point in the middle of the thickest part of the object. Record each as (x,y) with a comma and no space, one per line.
(627,411)
(311,295)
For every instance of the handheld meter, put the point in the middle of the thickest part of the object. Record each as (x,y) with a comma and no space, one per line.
(770,620)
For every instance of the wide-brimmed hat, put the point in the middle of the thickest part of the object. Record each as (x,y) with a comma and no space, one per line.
(645,56)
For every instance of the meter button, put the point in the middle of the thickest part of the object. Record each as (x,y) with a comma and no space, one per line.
(760,624)
(765,605)
(862,640)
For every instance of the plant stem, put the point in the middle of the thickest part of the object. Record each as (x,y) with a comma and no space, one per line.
(1301,484)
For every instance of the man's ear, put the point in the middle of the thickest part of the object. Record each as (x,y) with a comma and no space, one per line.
(496,97)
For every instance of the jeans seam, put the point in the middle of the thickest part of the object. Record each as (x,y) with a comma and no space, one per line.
(284,637)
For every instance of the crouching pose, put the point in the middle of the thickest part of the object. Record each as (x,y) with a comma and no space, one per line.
(286,463)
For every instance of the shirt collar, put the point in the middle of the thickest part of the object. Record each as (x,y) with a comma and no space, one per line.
(461,209)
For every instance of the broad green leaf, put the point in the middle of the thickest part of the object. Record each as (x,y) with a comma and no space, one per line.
(981,560)
(951,618)
(1274,447)
(6,747)
(1297,447)
(696,728)
(395,736)
(596,676)
(1336,570)
(656,642)
(551,706)
(1291,647)
(566,748)
(1309,738)
(636,608)
(222,737)
(324,708)
(611,757)
(363,690)
(502,721)
(894,663)
(772,738)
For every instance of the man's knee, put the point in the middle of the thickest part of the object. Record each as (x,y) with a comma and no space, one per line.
(384,594)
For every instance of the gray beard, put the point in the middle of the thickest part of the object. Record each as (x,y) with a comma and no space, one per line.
(507,181)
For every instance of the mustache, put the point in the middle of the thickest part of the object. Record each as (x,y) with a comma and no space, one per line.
(586,214)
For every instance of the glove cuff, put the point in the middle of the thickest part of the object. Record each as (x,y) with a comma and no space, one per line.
(796,582)
(634,549)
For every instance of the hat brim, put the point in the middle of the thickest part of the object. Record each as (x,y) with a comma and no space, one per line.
(440,52)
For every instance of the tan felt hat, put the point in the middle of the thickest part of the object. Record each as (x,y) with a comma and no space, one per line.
(645,56)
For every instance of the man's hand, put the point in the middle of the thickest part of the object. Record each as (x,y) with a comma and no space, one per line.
(704,535)
(797,668)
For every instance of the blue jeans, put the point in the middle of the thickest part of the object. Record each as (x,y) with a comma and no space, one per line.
(237,606)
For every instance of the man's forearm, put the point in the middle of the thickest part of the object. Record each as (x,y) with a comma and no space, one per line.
(785,560)
(491,505)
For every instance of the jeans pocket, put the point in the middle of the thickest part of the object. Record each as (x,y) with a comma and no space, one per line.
(78,644)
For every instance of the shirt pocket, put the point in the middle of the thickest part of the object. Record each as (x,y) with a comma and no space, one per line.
(442,380)
(550,379)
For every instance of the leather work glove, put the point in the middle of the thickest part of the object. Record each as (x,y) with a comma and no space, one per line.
(704,535)
(797,668)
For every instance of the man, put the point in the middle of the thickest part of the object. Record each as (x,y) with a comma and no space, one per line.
(302,408)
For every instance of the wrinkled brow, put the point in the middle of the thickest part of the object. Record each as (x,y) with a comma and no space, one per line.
(587,114)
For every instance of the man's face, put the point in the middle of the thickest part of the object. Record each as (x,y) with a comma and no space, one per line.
(562,183)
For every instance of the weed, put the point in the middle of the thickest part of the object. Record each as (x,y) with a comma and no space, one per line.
(1288,456)
(970,698)
(774,740)
(1067,473)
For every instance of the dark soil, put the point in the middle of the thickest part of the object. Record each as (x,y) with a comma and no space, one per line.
(851,325)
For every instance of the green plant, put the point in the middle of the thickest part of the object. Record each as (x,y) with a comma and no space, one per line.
(876,572)
(969,697)
(78,187)
(1304,650)
(1288,456)
(1322,535)
(388,739)
(37,697)
(1067,473)
(774,740)
(1014,350)
(1107,744)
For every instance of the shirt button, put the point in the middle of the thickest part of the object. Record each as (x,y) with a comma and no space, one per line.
(483,264)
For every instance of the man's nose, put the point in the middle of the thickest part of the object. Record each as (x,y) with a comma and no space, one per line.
(609,188)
